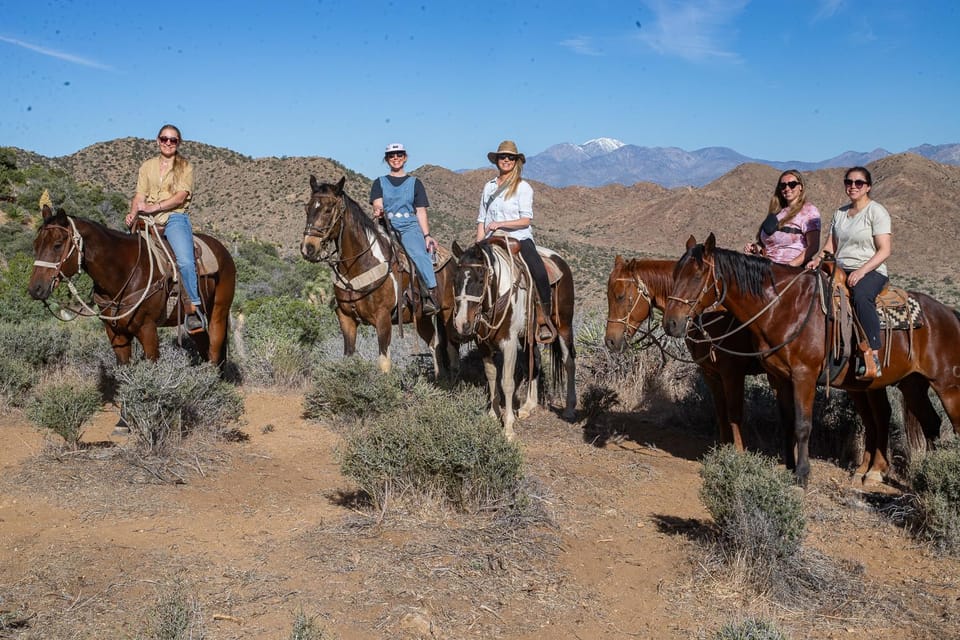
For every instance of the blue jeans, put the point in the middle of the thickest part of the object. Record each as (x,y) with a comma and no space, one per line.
(179,234)
(865,305)
(416,247)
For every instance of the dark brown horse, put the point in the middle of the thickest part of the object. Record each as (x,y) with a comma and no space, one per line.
(781,307)
(128,287)
(494,308)
(635,288)
(367,279)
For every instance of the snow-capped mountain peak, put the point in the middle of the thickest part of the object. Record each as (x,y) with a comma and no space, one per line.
(600,146)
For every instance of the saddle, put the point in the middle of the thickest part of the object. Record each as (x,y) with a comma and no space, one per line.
(897,309)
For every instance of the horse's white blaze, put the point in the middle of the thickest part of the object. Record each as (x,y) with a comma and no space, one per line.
(461,305)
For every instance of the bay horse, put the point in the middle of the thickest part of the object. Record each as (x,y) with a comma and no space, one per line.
(128,286)
(494,307)
(368,282)
(635,288)
(780,306)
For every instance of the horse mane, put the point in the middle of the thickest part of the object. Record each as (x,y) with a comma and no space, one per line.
(60,220)
(748,272)
(657,275)
(356,212)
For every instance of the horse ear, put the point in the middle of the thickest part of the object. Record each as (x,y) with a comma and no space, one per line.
(691,242)
(314,187)
(710,243)
(339,189)
(618,262)
(47,212)
(457,250)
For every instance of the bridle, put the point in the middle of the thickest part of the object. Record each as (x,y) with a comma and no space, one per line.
(643,293)
(325,235)
(486,300)
(75,246)
(709,282)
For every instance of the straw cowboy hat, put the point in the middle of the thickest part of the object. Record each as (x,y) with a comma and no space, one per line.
(507,146)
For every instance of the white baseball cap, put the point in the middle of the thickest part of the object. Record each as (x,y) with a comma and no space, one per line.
(395,147)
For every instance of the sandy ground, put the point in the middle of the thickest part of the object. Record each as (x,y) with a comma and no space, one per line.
(259,529)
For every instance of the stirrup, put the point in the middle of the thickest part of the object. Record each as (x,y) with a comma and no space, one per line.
(869,367)
(195,322)
(546,332)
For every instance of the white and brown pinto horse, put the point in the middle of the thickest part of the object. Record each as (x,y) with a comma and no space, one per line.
(493,305)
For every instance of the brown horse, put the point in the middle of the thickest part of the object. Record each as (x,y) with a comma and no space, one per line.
(127,286)
(368,282)
(494,307)
(635,288)
(780,306)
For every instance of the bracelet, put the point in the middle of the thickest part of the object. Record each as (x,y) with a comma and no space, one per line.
(427,235)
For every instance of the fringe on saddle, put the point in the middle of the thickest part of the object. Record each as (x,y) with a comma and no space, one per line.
(898,311)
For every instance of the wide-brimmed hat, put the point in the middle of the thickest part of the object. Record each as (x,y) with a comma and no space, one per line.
(507,146)
(394,147)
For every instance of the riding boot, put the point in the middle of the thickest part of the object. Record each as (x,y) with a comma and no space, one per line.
(546,331)
(431,305)
(870,368)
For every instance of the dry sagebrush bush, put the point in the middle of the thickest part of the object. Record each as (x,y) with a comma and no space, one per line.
(64,409)
(936,482)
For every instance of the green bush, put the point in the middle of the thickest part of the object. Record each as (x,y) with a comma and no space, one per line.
(436,445)
(754,504)
(65,408)
(352,388)
(16,380)
(38,345)
(163,400)
(750,629)
(936,481)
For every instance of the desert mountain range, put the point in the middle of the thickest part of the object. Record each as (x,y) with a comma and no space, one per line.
(238,196)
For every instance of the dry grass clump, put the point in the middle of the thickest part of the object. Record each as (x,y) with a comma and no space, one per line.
(175,615)
(750,629)
(64,408)
(936,482)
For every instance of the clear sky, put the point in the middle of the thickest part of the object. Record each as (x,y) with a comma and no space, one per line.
(342,78)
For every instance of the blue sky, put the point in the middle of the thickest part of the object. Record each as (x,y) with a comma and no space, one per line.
(773,80)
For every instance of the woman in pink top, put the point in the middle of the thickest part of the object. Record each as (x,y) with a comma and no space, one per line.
(790,234)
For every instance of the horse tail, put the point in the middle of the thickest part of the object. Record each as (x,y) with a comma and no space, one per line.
(556,365)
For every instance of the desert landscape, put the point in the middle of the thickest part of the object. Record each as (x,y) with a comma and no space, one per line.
(253,529)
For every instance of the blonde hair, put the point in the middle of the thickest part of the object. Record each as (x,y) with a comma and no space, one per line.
(778,202)
(180,162)
(513,179)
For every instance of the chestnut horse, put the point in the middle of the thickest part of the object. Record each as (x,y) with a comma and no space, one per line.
(780,306)
(127,285)
(367,280)
(635,288)
(493,306)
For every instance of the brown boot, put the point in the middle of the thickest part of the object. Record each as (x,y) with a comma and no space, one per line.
(546,332)
(870,368)
(431,306)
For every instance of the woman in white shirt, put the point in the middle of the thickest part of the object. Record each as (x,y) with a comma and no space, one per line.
(506,204)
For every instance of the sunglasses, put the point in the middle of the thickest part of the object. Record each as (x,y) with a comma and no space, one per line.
(166,140)
(789,185)
(397,154)
(512,157)
(859,184)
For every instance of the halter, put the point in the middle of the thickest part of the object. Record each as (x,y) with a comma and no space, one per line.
(487,300)
(643,293)
(710,280)
(323,233)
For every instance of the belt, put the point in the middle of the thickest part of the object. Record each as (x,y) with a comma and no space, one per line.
(401,215)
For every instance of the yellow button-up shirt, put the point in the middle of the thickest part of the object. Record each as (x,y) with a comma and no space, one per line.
(154,188)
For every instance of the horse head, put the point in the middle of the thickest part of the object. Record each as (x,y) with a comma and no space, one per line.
(56,251)
(325,212)
(628,304)
(695,286)
(471,287)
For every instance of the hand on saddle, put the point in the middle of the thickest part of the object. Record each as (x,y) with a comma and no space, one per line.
(431,243)
(377,212)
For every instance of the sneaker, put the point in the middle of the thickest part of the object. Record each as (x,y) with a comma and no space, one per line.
(195,322)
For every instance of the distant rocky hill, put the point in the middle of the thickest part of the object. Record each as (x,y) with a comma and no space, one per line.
(606,161)
(238,197)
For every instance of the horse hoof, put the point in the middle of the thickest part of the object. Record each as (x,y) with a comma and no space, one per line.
(523,414)
(873,477)
(570,415)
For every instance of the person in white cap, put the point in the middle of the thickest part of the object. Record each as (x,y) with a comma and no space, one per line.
(506,204)
(403,199)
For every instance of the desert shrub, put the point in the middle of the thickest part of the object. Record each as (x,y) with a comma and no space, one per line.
(163,400)
(754,504)
(306,627)
(38,345)
(437,444)
(64,409)
(16,380)
(749,629)
(352,388)
(936,482)
(276,339)
(175,615)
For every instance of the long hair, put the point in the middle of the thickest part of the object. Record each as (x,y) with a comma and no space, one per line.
(513,179)
(180,162)
(778,202)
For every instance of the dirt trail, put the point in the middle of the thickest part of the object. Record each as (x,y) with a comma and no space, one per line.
(261,528)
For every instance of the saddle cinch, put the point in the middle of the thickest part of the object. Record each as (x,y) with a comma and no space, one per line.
(898,311)
(166,263)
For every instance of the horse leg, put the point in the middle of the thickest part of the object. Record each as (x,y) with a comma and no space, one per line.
(786,408)
(490,371)
(348,329)
(429,334)
(921,422)
(384,328)
(568,351)
(862,404)
(718,395)
(149,340)
(949,394)
(120,343)
(533,387)
(804,391)
(507,381)
(880,410)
